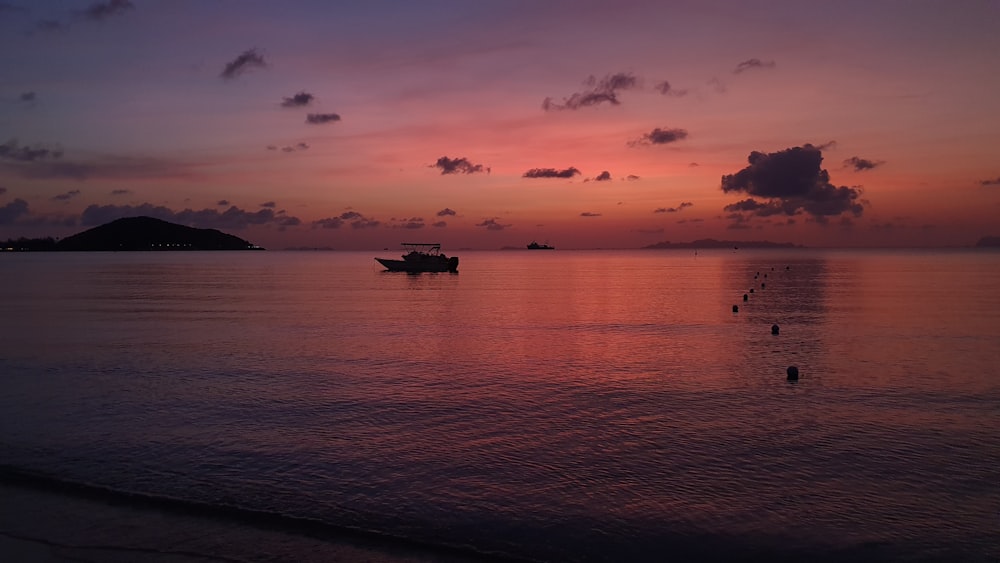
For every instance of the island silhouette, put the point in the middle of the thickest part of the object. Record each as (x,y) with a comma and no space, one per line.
(134,234)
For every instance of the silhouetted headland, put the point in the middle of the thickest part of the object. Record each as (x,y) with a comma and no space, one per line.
(713,243)
(137,233)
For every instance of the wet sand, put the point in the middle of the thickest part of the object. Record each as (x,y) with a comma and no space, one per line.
(51,526)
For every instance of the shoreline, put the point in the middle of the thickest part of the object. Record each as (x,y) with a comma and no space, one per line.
(52,521)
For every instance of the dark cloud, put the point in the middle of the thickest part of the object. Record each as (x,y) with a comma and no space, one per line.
(10,212)
(993,182)
(660,137)
(101,10)
(456,166)
(551,173)
(11,151)
(321,118)
(446,211)
(353,218)
(600,91)
(792,182)
(589,214)
(682,206)
(667,90)
(493,224)
(269,204)
(66,196)
(222,202)
(249,59)
(121,192)
(300,99)
(231,218)
(28,96)
(750,64)
(860,164)
(603,177)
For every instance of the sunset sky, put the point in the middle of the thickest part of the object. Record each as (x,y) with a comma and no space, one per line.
(586,124)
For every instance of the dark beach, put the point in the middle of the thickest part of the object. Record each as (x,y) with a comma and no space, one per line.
(51,523)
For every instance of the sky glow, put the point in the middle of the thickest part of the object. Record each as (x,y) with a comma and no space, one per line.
(494,123)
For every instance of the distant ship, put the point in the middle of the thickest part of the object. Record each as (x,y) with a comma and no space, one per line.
(535,246)
(421,257)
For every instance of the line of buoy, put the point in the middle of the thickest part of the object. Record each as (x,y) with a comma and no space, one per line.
(792,373)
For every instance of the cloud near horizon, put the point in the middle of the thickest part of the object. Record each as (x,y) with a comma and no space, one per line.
(232,218)
(791,182)
(598,92)
(446,211)
(247,60)
(12,211)
(493,224)
(551,173)
(353,218)
(681,207)
(991,182)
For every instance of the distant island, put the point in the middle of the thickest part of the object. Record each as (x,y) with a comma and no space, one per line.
(713,243)
(133,234)
(988,242)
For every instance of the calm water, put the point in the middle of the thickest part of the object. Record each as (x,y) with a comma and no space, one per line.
(557,406)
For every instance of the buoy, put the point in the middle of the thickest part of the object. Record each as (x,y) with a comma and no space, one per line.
(774,329)
(745,297)
(762,285)
(736,308)
(751,290)
(793,373)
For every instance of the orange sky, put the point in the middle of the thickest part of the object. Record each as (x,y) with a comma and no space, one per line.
(188,111)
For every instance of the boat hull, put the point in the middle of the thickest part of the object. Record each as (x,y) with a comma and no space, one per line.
(417,266)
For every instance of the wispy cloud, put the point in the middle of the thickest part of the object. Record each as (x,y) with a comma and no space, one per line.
(456,166)
(321,118)
(446,211)
(300,99)
(269,204)
(589,214)
(666,89)
(598,92)
(991,182)
(121,192)
(659,136)
(99,11)
(751,64)
(66,196)
(12,151)
(551,173)
(247,60)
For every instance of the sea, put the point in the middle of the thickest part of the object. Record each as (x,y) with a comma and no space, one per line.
(556,406)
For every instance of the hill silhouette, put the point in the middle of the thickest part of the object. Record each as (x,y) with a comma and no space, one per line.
(147,233)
